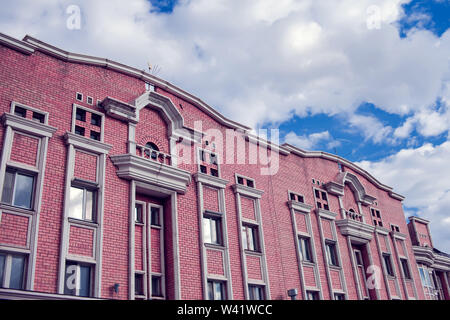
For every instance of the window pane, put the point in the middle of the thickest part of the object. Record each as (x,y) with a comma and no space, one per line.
(76,203)
(156,286)
(2,268)
(17,271)
(85,281)
(244,237)
(138,284)
(90,205)
(138,213)
(218,291)
(23,191)
(70,281)
(251,239)
(207,230)
(210,291)
(214,238)
(155,216)
(8,187)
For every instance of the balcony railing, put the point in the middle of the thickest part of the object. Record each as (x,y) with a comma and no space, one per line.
(151,154)
(351,215)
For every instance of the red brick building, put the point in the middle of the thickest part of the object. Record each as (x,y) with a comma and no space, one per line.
(116,184)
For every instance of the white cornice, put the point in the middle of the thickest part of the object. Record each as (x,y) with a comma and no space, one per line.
(326,214)
(299,206)
(421,220)
(247,191)
(210,180)
(86,143)
(27,125)
(356,229)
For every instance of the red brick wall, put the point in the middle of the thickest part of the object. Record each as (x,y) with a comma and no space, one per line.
(85,166)
(24,149)
(81,241)
(215,262)
(13,230)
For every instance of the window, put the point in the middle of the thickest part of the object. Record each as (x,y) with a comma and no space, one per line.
(78,279)
(95,135)
(96,120)
(331,253)
(80,115)
(405,268)
(256,292)
(216,290)
(155,216)
(395,228)
(339,296)
(321,199)
(138,213)
(388,264)
(212,230)
(139,284)
(21,112)
(12,271)
(312,295)
(152,149)
(79,131)
(214,172)
(245,181)
(39,117)
(305,249)
(296,197)
(157,286)
(250,183)
(250,238)
(213,158)
(82,203)
(203,169)
(79,96)
(18,188)
(240,180)
(90,100)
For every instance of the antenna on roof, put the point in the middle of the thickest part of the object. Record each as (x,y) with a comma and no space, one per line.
(339,161)
(154,70)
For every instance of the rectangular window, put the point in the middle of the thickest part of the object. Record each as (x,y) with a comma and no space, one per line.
(82,203)
(312,295)
(80,115)
(95,135)
(78,279)
(138,284)
(96,120)
(79,131)
(21,112)
(250,238)
(39,117)
(138,213)
(388,264)
(216,290)
(339,296)
(256,292)
(331,253)
(15,265)
(405,268)
(305,249)
(212,230)
(214,172)
(157,286)
(155,216)
(18,188)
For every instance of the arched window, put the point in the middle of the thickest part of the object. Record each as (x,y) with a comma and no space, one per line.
(151,146)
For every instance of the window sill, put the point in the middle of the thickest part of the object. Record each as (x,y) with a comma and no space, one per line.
(309,263)
(83,222)
(253,253)
(335,267)
(14,209)
(154,226)
(214,246)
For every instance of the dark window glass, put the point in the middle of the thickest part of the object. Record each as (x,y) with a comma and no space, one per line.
(324,196)
(155,214)
(331,253)
(301,199)
(405,268)
(213,158)
(312,295)
(380,223)
(378,214)
(373,212)
(138,284)
(81,115)
(326,207)
(156,286)
(240,180)
(90,100)
(85,281)
(374,222)
(317,193)
(250,183)
(305,249)
(214,172)
(339,296)
(216,290)
(18,189)
(256,292)
(38,117)
(79,130)
(138,213)
(319,205)
(21,112)
(79,97)
(292,196)
(96,120)
(2,268)
(388,264)
(95,135)
(203,169)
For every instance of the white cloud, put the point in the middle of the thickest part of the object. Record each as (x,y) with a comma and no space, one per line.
(260,60)
(371,128)
(423,176)
(311,141)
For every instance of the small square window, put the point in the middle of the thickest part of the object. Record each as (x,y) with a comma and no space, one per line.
(319,205)
(21,112)
(203,169)
(95,135)
(90,100)
(96,119)
(79,96)
(155,216)
(213,159)
(80,115)
(301,199)
(79,130)
(39,117)
(82,203)
(240,180)
(326,207)
(214,172)
(78,279)
(250,183)
(292,196)
(15,265)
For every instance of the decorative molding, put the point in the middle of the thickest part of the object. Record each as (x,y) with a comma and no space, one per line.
(356,229)
(210,180)
(381,230)
(28,126)
(86,144)
(299,206)
(327,214)
(421,220)
(132,167)
(120,110)
(247,191)
(398,235)
(337,187)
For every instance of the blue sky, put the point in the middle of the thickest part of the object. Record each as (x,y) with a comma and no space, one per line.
(366,79)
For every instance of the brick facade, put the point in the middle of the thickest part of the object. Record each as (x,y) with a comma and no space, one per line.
(338,197)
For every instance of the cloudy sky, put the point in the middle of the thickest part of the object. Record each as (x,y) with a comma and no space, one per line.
(366,79)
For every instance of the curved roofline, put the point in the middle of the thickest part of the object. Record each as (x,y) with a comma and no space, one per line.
(29,44)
